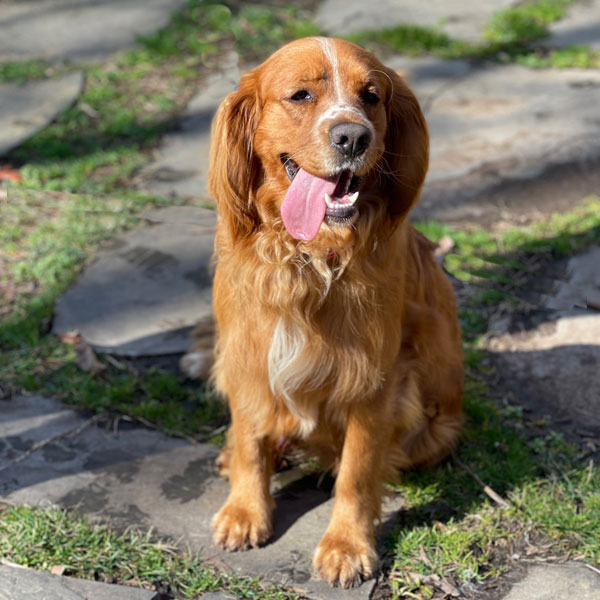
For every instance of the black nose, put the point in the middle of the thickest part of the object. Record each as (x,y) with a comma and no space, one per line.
(350,139)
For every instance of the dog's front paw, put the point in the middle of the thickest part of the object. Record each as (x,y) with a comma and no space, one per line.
(237,527)
(344,561)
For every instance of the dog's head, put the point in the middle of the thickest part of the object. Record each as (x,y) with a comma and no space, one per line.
(320,138)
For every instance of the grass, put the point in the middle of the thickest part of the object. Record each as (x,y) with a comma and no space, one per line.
(511,35)
(46,538)
(23,71)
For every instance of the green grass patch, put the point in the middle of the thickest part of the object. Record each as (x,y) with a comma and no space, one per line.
(24,71)
(41,539)
(414,40)
(525,23)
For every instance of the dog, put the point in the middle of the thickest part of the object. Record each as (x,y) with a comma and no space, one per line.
(336,328)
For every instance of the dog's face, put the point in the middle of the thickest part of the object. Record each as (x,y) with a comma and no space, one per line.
(314,138)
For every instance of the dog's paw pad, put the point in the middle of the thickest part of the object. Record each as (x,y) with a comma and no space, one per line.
(238,528)
(343,561)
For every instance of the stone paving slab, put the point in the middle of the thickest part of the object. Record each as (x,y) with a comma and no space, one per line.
(77,30)
(27,108)
(141,478)
(181,168)
(557,582)
(461,19)
(581,27)
(146,291)
(505,126)
(17,583)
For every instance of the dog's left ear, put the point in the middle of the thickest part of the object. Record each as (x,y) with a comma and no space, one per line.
(406,155)
(234,167)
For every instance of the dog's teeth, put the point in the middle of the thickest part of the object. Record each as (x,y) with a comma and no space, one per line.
(352,199)
(331,203)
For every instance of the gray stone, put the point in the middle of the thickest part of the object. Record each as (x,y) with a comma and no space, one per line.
(505,127)
(550,365)
(17,583)
(181,168)
(142,479)
(557,582)
(27,108)
(144,293)
(77,30)
(581,27)
(462,19)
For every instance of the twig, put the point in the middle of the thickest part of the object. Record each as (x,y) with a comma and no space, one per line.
(497,498)
(597,571)
(43,443)
(193,440)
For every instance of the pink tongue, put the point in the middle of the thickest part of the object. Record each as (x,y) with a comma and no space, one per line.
(304,206)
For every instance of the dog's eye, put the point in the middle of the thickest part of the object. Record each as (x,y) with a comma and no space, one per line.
(370,97)
(301,96)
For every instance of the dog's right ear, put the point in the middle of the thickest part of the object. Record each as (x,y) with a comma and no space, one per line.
(234,167)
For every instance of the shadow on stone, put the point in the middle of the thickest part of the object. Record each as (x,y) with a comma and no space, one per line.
(297,498)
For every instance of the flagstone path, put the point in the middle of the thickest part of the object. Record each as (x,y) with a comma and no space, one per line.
(77,30)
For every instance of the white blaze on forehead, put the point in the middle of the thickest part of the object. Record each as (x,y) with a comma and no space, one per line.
(340,103)
(329,51)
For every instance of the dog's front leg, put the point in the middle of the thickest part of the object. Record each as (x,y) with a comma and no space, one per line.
(245,519)
(346,553)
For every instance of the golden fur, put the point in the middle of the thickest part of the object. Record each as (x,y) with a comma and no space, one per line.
(349,343)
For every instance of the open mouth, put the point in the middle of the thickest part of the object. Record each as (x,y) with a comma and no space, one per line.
(340,204)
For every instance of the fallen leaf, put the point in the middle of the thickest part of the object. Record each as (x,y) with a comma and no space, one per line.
(71,337)
(444,246)
(86,359)
(448,588)
(84,107)
(57,570)
(9,174)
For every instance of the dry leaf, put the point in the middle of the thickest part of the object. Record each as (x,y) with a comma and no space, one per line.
(84,107)
(448,588)
(71,337)
(9,174)
(86,359)
(444,246)
(57,570)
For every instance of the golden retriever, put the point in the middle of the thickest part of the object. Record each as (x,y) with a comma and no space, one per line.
(336,328)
